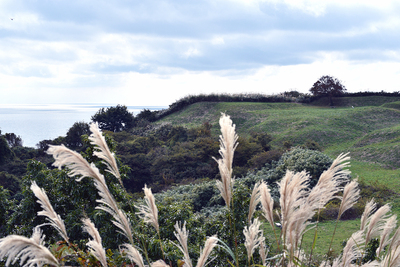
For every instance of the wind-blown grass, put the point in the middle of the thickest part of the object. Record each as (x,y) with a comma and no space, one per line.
(297,206)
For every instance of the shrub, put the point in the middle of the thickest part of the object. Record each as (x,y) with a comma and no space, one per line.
(299,159)
(266,157)
(239,234)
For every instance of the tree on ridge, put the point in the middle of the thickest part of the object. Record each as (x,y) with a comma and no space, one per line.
(328,86)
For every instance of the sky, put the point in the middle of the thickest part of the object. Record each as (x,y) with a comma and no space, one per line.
(154,52)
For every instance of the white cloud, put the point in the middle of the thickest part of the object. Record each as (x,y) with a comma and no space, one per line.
(218,41)
(161,51)
(191,52)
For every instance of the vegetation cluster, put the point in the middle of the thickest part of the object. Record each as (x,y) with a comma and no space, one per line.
(237,223)
(177,160)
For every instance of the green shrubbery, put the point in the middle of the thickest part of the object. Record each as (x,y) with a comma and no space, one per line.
(201,208)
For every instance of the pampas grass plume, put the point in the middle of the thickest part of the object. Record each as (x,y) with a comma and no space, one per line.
(351,193)
(182,236)
(96,248)
(48,211)
(254,200)
(228,144)
(159,263)
(97,139)
(253,237)
(385,236)
(211,242)
(79,166)
(353,248)
(133,254)
(30,251)
(263,252)
(228,140)
(267,203)
(149,211)
(376,223)
(366,216)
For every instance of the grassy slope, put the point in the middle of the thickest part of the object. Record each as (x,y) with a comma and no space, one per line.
(370,132)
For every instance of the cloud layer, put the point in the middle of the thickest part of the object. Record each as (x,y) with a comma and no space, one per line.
(154,52)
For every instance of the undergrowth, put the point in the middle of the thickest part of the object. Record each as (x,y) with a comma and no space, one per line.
(231,234)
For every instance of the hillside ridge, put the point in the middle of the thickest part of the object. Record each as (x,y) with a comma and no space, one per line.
(367,127)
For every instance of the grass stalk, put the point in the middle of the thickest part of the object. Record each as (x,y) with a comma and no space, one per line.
(333,235)
(315,237)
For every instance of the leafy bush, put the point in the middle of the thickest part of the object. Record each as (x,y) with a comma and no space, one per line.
(6,207)
(9,182)
(299,159)
(239,235)
(114,119)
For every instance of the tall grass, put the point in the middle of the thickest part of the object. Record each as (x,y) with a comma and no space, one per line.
(298,204)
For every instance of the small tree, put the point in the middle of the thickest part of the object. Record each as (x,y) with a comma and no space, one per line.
(13,140)
(114,119)
(74,134)
(329,86)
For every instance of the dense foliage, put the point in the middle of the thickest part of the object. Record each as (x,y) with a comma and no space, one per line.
(328,86)
(114,119)
(205,209)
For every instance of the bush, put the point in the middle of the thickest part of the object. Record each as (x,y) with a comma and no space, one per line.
(266,157)
(299,159)
(239,235)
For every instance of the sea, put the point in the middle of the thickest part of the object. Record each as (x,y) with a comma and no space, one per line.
(34,123)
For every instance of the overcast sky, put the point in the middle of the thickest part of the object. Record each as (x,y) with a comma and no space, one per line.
(153,52)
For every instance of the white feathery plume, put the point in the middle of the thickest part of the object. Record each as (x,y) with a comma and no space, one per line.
(228,140)
(253,237)
(351,193)
(297,226)
(365,217)
(133,254)
(30,251)
(338,165)
(97,139)
(182,236)
(149,211)
(374,263)
(159,263)
(211,242)
(96,248)
(385,236)
(79,166)
(392,258)
(225,186)
(254,200)
(48,211)
(263,252)
(267,203)
(74,161)
(293,190)
(395,240)
(329,182)
(353,248)
(376,223)
(228,144)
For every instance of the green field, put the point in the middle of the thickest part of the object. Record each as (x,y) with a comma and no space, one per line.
(370,133)
(324,234)
(367,127)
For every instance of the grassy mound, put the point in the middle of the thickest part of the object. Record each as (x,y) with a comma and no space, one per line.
(368,132)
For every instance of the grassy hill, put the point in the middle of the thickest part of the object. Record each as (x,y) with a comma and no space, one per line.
(369,132)
(367,127)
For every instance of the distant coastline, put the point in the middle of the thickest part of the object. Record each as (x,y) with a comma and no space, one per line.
(37,122)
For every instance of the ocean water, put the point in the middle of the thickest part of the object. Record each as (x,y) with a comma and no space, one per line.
(34,123)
